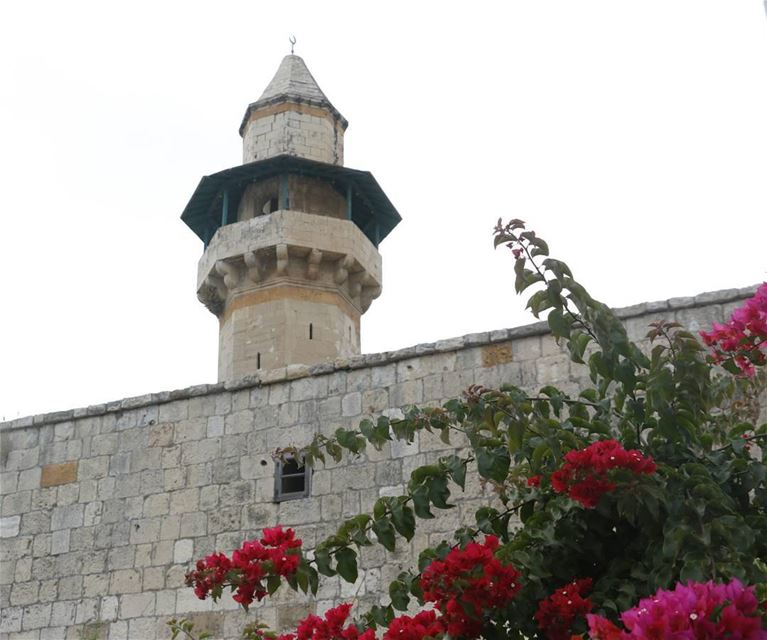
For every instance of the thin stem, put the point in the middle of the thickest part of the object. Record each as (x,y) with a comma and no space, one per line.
(565,306)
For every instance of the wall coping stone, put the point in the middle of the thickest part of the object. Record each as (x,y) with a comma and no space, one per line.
(294,372)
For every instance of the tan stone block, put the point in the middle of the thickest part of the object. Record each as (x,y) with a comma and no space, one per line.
(495,354)
(161,435)
(57,474)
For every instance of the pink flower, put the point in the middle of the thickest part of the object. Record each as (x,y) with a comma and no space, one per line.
(695,611)
(743,339)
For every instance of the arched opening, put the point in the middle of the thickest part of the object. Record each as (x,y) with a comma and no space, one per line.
(270,205)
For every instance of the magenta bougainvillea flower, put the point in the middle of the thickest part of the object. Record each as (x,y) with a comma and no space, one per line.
(743,339)
(695,611)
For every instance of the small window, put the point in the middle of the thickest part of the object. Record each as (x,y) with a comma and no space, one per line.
(311,331)
(271,205)
(258,360)
(291,480)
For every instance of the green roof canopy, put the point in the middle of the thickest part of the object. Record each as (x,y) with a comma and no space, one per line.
(372,211)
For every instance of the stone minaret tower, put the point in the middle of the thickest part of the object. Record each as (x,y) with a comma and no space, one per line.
(291,236)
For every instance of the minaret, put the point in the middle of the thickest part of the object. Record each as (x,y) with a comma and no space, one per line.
(291,236)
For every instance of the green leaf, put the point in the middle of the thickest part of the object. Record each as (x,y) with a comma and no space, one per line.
(272,583)
(485,518)
(350,440)
(346,559)
(560,327)
(322,560)
(420,495)
(403,519)
(456,468)
(400,595)
(493,463)
(439,492)
(385,533)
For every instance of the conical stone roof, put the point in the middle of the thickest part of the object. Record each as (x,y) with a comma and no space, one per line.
(293,82)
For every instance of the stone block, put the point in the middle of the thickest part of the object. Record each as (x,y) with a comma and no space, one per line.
(200,451)
(23,571)
(71,586)
(36,616)
(160,435)
(9,527)
(121,557)
(497,353)
(67,494)
(63,613)
(94,561)
(187,602)
(90,468)
(108,608)
(142,459)
(193,524)
(137,605)
(28,479)
(60,541)
(226,519)
(174,478)
(119,464)
(57,474)
(209,496)
(190,430)
(151,481)
(351,404)
(18,502)
(215,426)
(171,457)
(125,581)
(143,556)
(20,459)
(10,621)
(67,517)
(24,593)
(165,602)
(118,631)
(156,505)
(145,530)
(146,629)
(183,550)
(162,552)
(407,393)
(552,369)
(154,578)
(185,500)
(96,585)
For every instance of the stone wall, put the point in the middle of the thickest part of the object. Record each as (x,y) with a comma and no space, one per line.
(294,129)
(104,508)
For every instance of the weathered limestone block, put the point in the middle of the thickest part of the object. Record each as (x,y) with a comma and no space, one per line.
(56,474)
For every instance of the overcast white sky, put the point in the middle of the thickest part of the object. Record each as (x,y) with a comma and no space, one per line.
(631,134)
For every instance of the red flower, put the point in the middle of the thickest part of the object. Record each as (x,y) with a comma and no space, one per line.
(468,583)
(423,625)
(534,481)
(330,628)
(584,475)
(556,613)
(278,553)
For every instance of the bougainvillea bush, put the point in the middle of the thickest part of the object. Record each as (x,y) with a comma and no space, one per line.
(636,508)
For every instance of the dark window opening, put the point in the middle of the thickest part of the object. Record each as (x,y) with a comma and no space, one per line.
(258,360)
(311,331)
(272,204)
(291,480)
